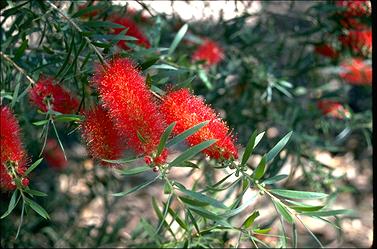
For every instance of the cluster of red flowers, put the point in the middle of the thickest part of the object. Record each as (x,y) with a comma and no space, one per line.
(54,155)
(332,108)
(13,155)
(45,94)
(360,41)
(102,138)
(133,30)
(131,105)
(326,50)
(355,8)
(356,72)
(210,52)
(134,115)
(188,110)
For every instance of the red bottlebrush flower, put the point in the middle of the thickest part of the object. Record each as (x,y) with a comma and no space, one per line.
(355,8)
(189,110)
(210,52)
(326,50)
(133,30)
(60,99)
(356,72)
(360,41)
(54,155)
(102,138)
(131,105)
(13,155)
(332,109)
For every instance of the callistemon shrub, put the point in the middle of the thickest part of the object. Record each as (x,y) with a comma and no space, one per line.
(133,30)
(210,52)
(360,41)
(131,105)
(188,110)
(355,8)
(102,138)
(46,94)
(13,155)
(355,71)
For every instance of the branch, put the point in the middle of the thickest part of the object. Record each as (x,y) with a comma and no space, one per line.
(99,54)
(21,70)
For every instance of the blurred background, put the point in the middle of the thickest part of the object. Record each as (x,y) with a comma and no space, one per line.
(303,66)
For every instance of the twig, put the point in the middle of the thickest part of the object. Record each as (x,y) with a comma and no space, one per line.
(100,56)
(21,70)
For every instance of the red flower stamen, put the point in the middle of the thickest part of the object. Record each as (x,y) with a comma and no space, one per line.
(189,110)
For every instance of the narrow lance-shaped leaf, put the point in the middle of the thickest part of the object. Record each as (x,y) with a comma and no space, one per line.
(283,211)
(33,166)
(134,189)
(182,136)
(278,147)
(192,152)
(12,204)
(261,169)
(178,38)
(304,195)
(251,144)
(164,138)
(250,220)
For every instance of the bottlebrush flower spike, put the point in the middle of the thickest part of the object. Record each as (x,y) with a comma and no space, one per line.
(131,105)
(189,110)
(332,109)
(356,72)
(210,52)
(133,30)
(13,155)
(355,8)
(101,137)
(360,41)
(54,155)
(60,100)
(326,50)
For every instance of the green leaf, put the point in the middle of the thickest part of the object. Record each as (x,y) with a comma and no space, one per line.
(192,202)
(205,213)
(134,171)
(304,195)
(33,192)
(118,37)
(275,179)
(20,51)
(250,220)
(262,231)
(306,208)
(33,166)
(41,122)
(121,161)
(141,138)
(149,62)
(261,169)
(251,144)
(238,210)
(182,136)
(283,211)
(164,138)
(103,24)
(68,117)
(163,66)
(328,213)
(15,94)
(167,188)
(188,164)
(12,204)
(177,219)
(86,10)
(189,153)
(134,189)
(203,198)
(37,208)
(203,76)
(177,39)
(278,147)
